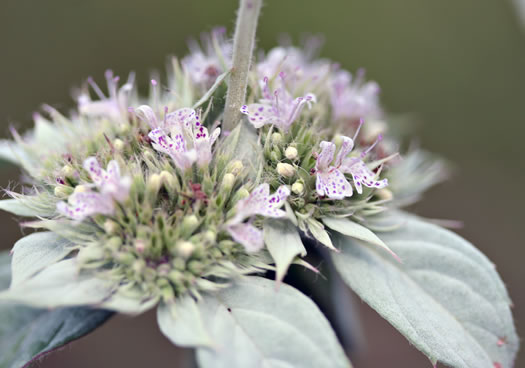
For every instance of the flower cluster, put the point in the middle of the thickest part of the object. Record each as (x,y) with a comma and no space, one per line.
(157,202)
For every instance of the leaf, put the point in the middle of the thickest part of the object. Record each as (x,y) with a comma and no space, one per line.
(354,230)
(242,145)
(251,324)
(319,233)
(210,92)
(446,297)
(27,334)
(283,243)
(183,324)
(35,252)
(59,285)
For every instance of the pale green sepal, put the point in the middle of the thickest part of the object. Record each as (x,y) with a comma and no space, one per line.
(182,322)
(33,253)
(445,298)
(130,302)
(59,285)
(354,230)
(319,233)
(253,325)
(284,244)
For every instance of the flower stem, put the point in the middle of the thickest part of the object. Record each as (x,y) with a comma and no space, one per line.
(244,40)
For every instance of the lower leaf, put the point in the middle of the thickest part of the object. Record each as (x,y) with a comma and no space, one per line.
(251,324)
(445,298)
(27,334)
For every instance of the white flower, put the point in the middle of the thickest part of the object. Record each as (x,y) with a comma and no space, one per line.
(259,202)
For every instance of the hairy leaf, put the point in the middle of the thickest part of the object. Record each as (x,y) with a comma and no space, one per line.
(251,324)
(283,243)
(354,230)
(27,334)
(34,252)
(446,297)
(59,285)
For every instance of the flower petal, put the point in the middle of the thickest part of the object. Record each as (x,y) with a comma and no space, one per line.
(247,235)
(362,175)
(333,184)
(261,114)
(326,156)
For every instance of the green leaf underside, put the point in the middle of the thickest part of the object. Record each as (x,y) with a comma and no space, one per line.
(354,230)
(59,285)
(252,325)
(445,298)
(34,252)
(283,243)
(27,334)
(19,208)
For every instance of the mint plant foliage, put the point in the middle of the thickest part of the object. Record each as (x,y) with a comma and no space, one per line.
(239,166)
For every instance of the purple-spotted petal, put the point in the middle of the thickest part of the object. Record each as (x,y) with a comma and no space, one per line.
(146,113)
(346,148)
(260,114)
(333,184)
(362,175)
(86,204)
(248,236)
(325,156)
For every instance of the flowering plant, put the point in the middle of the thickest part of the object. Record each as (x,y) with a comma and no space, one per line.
(190,202)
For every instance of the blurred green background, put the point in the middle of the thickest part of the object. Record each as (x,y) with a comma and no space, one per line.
(457,65)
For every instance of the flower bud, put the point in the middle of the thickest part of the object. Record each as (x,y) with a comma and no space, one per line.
(384,194)
(140,246)
(62,191)
(240,194)
(185,249)
(114,243)
(298,188)
(119,145)
(153,186)
(285,170)
(276,138)
(338,140)
(170,182)
(189,224)
(235,167)
(111,227)
(196,267)
(89,254)
(81,189)
(67,171)
(291,153)
(227,182)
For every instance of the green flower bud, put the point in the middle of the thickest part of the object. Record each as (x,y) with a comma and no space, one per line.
(228,181)
(67,171)
(189,224)
(235,167)
(291,153)
(81,189)
(240,194)
(276,138)
(140,245)
(384,194)
(298,188)
(338,140)
(185,249)
(114,243)
(119,145)
(153,186)
(139,266)
(111,227)
(89,254)
(285,170)
(196,267)
(62,191)
(276,154)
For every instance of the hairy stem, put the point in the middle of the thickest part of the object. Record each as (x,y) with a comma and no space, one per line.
(243,43)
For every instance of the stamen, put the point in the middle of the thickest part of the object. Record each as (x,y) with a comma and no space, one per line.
(361,122)
(379,139)
(96,88)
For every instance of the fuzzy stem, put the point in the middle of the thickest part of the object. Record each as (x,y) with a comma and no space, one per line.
(243,43)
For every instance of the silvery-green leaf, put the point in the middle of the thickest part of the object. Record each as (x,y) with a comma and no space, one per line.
(59,285)
(251,324)
(210,92)
(183,323)
(35,252)
(40,204)
(319,233)
(129,301)
(242,145)
(11,152)
(446,297)
(26,334)
(354,230)
(283,243)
